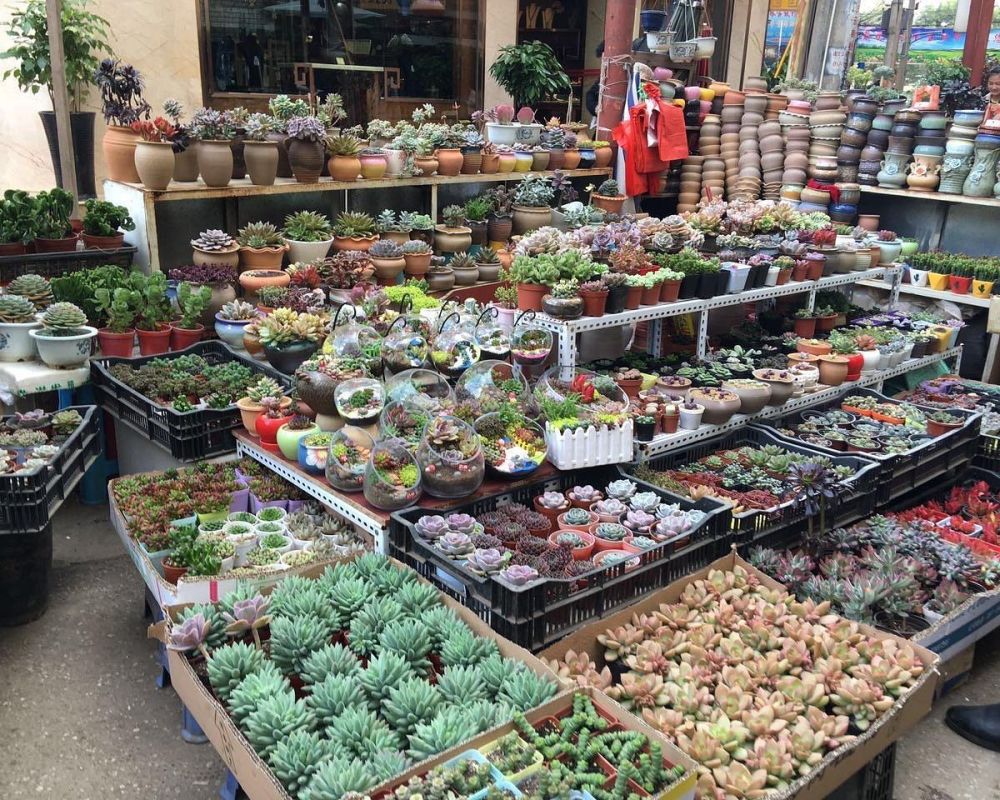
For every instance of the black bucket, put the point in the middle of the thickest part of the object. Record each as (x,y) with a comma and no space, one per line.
(25,570)
(81,124)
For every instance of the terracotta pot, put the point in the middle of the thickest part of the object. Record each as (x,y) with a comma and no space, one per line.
(253,281)
(387,270)
(826,324)
(529,296)
(17,248)
(449,161)
(651,296)
(572,159)
(442,280)
(359,243)
(306,159)
(602,157)
(262,257)
(813,347)
(65,245)
(472,160)
(262,161)
(154,161)
(227,258)
(613,205)
(252,344)
(465,276)
(833,369)
(540,160)
(153,343)
(186,164)
(112,242)
(417,265)
(172,574)
(116,344)
(215,163)
(633,298)
(594,302)
(425,165)
(181,338)
(452,240)
(498,229)
(669,291)
(346,168)
(805,328)
(527,219)
(118,147)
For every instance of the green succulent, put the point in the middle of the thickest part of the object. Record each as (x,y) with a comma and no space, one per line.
(290,599)
(275,718)
(387,764)
(16,309)
(337,777)
(459,685)
(64,317)
(362,733)
(389,582)
(293,639)
(368,624)
(466,649)
(417,598)
(450,727)
(351,594)
(409,703)
(485,714)
(442,623)
(330,659)
(296,759)
(32,286)
(524,690)
(332,696)
(409,638)
(255,688)
(495,670)
(259,235)
(216,636)
(384,671)
(229,665)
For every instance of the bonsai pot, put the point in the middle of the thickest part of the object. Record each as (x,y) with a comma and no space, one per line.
(440,280)
(781,388)
(287,359)
(305,252)
(16,344)
(64,351)
(359,243)
(465,276)
(181,338)
(719,406)
(262,257)
(813,347)
(115,344)
(152,343)
(488,272)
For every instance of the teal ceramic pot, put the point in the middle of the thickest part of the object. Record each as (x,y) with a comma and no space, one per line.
(882,122)
(933,120)
(927,150)
(969,118)
(983,175)
(893,172)
(954,169)
(959,147)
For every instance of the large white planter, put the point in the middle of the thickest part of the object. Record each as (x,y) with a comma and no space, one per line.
(871,360)
(918,277)
(691,417)
(501,134)
(589,447)
(15,343)
(305,252)
(64,351)
(738,274)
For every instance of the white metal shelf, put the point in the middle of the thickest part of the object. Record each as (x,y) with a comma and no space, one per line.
(671,441)
(933,294)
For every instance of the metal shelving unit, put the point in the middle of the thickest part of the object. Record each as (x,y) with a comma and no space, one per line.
(567,330)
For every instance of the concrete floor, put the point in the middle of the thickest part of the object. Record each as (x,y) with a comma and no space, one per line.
(81,717)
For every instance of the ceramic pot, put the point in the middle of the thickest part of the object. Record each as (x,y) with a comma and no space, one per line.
(262,257)
(186,164)
(425,165)
(954,170)
(262,161)
(253,281)
(527,219)
(215,163)
(306,159)
(982,177)
(452,240)
(893,172)
(718,410)
(753,397)
(443,280)
(449,161)
(305,252)
(154,162)
(231,331)
(833,369)
(395,162)
(347,168)
(16,344)
(288,359)
(63,352)
(118,146)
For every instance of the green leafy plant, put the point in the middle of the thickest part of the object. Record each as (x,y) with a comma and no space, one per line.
(52,212)
(17,217)
(307,226)
(529,72)
(192,303)
(119,309)
(102,218)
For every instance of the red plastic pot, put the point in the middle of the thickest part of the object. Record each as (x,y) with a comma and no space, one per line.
(172,574)
(185,337)
(855,362)
(594,302)
(116,344)
(669,291)
(651,297)
(941,428)
(579,553)
(529,296)
(670,422)
(267,431)
(805,328)
(633,297)
(154,343)
(959,284)
(801,270)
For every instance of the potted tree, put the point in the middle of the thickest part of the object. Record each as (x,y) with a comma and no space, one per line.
(529,72)
(452,236)
(53,229)
(308,235)
(608,197)
(119,310)
(192,303)
(532,204)
(103,225)
(215,132)
(63,341)
(260,245)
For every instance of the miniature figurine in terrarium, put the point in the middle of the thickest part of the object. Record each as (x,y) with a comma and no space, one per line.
(451,458)
(414,382)
(512,445)
(405,346)
(454,349)
(350,448)
(360,400)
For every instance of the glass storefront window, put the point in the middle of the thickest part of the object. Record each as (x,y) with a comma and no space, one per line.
(426,50)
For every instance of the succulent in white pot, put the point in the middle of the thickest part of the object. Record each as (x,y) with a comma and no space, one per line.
(17,317)
(64,340)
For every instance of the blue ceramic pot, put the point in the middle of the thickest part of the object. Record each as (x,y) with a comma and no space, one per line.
(231,331)
(652,20)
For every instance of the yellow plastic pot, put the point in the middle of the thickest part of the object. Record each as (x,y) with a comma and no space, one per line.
(938,281)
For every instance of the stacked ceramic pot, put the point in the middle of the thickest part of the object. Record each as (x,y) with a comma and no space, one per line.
(749,181)
(794,121)
(924,172)
(982,177)
(826,124)
(854,137)
(776,103)
(902,140)
(713,172)
(874,150)
(690,186)
(958,151)
(772,158)
(732,118)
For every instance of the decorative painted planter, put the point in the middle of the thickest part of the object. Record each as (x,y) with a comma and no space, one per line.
(288,440)
(589,447)
(231,331)
(15,342)
(64,351)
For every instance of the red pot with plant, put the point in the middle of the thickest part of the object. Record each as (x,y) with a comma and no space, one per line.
(805,327)
(855,363)
(274,417)
(171,573)
(800,271)
(825,322)
(633,298)
(580,542)
(942,422)
(595,297)
(669,291)
(116,343)
(816,263)
(651,295)
(529,296)
(551,505)
(154,342)
(630,382)
(669,420)
(959,284)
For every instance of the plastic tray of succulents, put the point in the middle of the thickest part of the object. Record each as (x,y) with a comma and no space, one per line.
(855,501)
(54,265)
(901,473)
(541,612)
(26,501)
(189,435)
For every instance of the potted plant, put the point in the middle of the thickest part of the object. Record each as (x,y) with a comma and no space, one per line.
(464,268)
(551,505)
(261,152)
(942,422)
(122,103)
(192,303)
(754,394)
(215,132)
(488,264)
(17,222)
(154,312)
(308,235)
(17,318)
(532,276)
(154,152)
(719,404)
(440,277)
(314,452)
(360,400)
(63,341)
(960,278)
(650,287)
(119,309)
(477,210)
(103,225)
(260,246)
(645,428)
(215,247)
(984,277)
(392,477)
(231,321)
(387,256)
(416,257)
(373,163)
(354,230)
(826,318)
(608,197)
(889,246)
(453,236)
(594,295)
(393,227)
(421,226)
(289,338)
(564,301)
(532,204)
(529,72)
(305,145)
(832,369)
(251,406)
(344,162)
(52,229)
(610,536)
(805,323)
(939,268)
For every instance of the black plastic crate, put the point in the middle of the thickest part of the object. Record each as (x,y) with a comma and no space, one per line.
(856,502)
(189,435)
(52,265)
(903,472)
(988,452)
(538,615)
(26,501)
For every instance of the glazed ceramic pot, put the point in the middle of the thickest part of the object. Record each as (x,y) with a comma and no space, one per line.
(288,359)
(719,405)
(923,173)
(231,331)
(893,172)
(63,352)
(833,369)
(982,177)
(955,168)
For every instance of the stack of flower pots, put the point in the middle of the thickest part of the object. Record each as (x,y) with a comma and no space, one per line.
(874,149)
(690,188)
(748,182)
(776,103)
(854,137)
(902,140)
(772,158)
(826,124)
(924,172)
(732,118)
(794,122)
(958,151)
(713,173)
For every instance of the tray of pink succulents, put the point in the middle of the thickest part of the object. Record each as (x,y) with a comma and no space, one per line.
(554,544)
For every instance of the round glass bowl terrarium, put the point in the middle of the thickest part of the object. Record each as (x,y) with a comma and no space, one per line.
(360,400)
(357,340)
(598,391)
(392,476)
(350,449)
(454,350)
(491,384)
(451,458)
(493,340)
(405,419)
(511,449)
(530,344)
(415,382)
(404,348)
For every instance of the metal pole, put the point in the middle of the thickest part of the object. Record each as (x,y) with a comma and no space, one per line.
(60,100)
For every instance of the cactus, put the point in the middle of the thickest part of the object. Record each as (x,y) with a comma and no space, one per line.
(296,759)
(65,319)
(16,309)
(294,639)
(228,666)
(410,703)
(276,718)
(460,685)
(330,698)
(34,287)
(213,241)
(330,659)
(466,649)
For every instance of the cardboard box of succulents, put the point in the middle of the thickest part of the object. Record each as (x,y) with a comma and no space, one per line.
(839,764)
(260,783)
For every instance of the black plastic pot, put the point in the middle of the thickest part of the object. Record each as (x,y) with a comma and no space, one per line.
(616,300)
(644,430)
(81,124)
(689,287)
(706,285)
(761,277)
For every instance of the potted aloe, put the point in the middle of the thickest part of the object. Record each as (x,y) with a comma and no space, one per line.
(308,235)
(63,341)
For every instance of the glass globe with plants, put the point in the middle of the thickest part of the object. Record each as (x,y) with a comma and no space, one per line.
(360,400)
(392,476)
(454,349)
(350,449)
(530,344)
(451,459)
(405,345)
(417,383)
(492,338)
(356,339)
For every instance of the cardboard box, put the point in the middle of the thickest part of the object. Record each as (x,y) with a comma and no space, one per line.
(838,765)
(955,671)
(963,627)
(253,774)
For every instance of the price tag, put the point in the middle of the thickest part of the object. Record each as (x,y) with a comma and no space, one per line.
(683,51)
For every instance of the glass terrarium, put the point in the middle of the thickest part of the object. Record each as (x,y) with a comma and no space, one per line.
(492,383)
(405,345)
(513,446)
(350,449)
(530,344)
(451,458)
(454,349)
(392,476)
(493,340)
(357,340)
(414,382)
(406,419)
(597,393)
(360,400)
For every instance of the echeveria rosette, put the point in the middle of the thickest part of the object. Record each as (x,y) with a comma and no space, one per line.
(611,532)
(612,507)
(577,516)
(643,542)
(585,494)
(672,526)
(190,635)
(552,500)
(432,527)
(570,539)
(455,545)
(621,489)
(461,523)
(248,615)
(644,501)
(639,520)
(812,482)
(487,561)
(519,574)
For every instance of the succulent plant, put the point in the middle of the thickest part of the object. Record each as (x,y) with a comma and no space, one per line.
(410,703)
(16,309)
(259,235)
(254,688)
(384,671)
(362,733)
(464,648)
(213,241)
(229,665)
(451,726)
(417,598)
(293,639)
(329,698)
(462,261)
(296,759)
(385,248)
(63,319)
(330,659)
(34,287)
(275,718)
(416,247)
(237,310)
(410,639)
(524,690)
(338,778)
(367,626)
(215,635)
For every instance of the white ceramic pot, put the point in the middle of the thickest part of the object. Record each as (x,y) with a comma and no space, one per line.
(501,134)
(395,162)
(871,360)
(305,252)
(227,564)
(15,343)
(243,543)
(918,277)
(64,351)
(282,513)
(285,548)
(772,276)
(691,418)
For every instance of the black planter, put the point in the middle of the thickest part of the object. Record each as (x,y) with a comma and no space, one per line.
(689,287)
(288,359)
(478,232)
(644,431)
(239,164)
(81,125)
(760,276)
(919,349)
(706,285)
(616,300)
(721,282)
